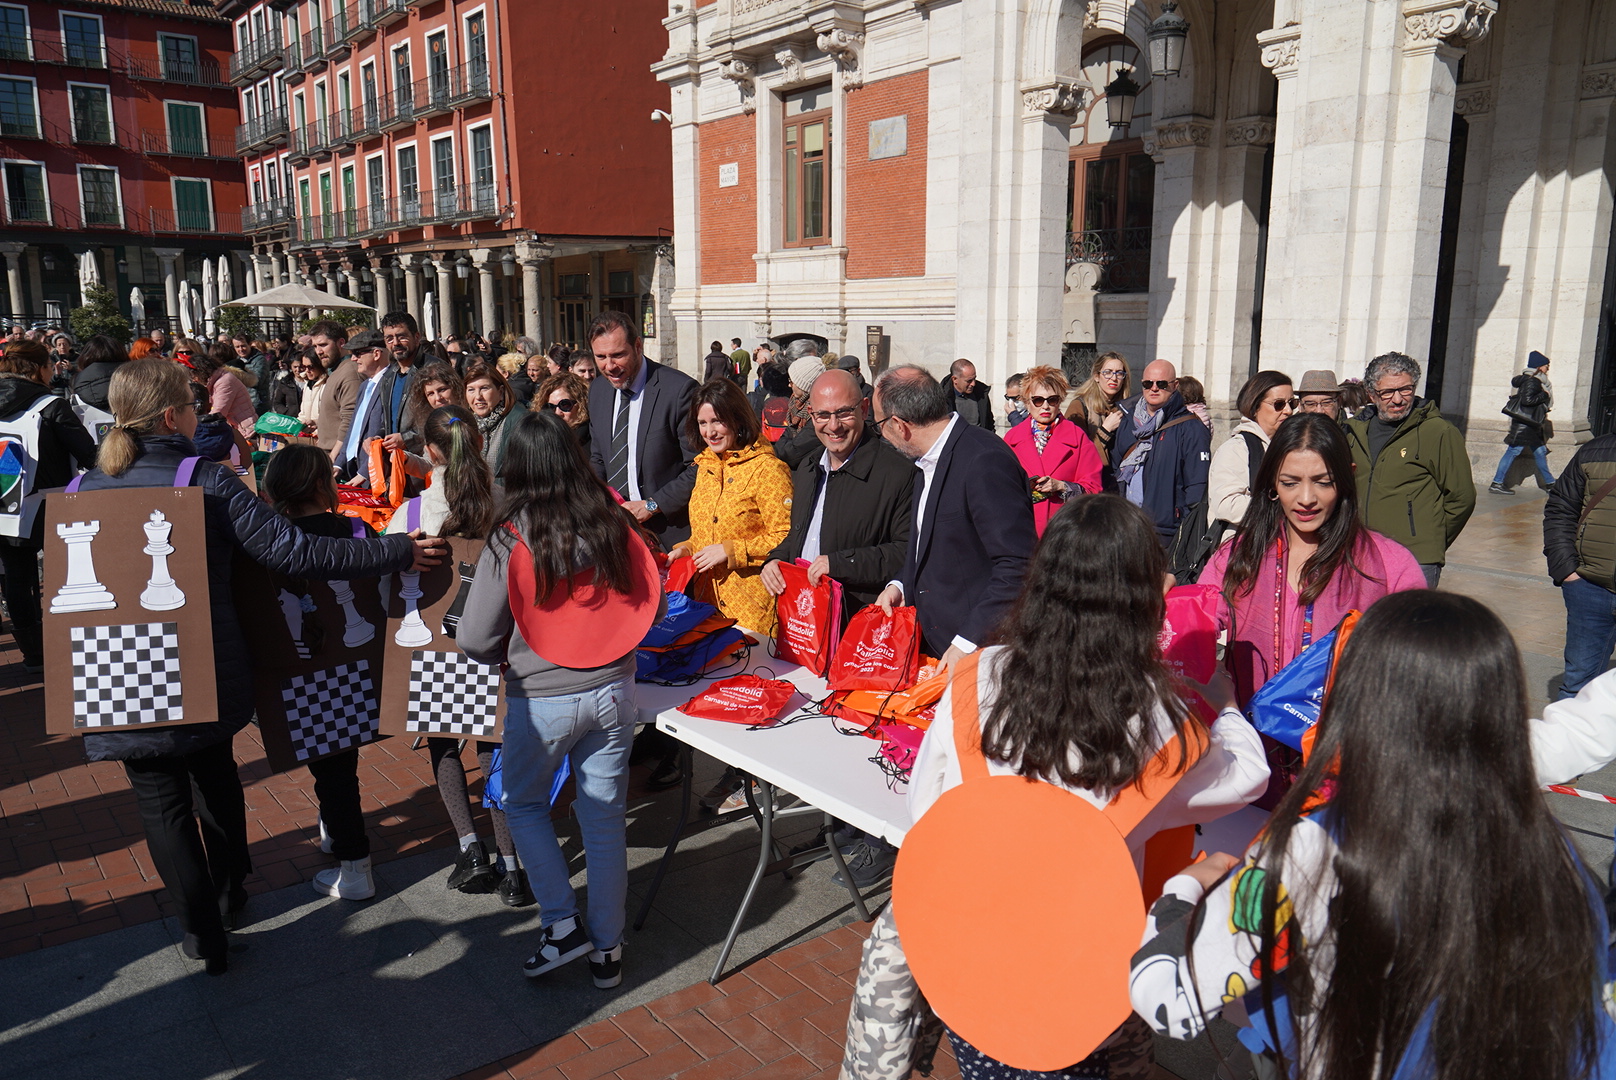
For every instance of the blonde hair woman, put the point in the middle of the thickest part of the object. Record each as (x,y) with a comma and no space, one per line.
(150,446)
(1097,408)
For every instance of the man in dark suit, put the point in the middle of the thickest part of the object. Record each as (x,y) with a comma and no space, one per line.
(637,414)
(369,361)
(852,504)
(973,527)
(383,414)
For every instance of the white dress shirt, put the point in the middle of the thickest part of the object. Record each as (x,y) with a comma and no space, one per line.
(636,392)
(927,464)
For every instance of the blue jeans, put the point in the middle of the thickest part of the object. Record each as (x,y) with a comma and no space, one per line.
(595,729)
(1590,633)
(1540,456)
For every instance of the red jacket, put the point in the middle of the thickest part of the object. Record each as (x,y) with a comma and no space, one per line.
(1069,455)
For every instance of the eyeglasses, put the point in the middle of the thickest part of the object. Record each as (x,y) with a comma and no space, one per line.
(1040,402)
(1157,384)
(881,423)
(564,405)
(840,415)
(1119,373)
(1394,392)
(1318,404)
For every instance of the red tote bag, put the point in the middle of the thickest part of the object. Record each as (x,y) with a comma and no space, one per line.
(810,619)
(878,651)
(743,699)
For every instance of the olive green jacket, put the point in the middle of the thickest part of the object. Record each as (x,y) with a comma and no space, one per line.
(1420,492)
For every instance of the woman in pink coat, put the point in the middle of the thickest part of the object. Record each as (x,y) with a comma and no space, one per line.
(1301,558)
(1059,458)
(228,396)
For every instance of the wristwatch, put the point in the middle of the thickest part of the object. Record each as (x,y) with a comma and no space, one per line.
(650,506)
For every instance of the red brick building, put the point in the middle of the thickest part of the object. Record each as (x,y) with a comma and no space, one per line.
(498,155)
(115,135)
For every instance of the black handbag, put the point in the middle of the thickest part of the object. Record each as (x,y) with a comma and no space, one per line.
(1512,409)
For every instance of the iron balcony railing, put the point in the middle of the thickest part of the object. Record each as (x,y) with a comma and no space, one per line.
(318,229)
(314,50)
(98,214)
(266,51)
(336,32)
(20,127)
(164,220)
(68,54)
(93,131)
(437,93)
(268,128)
(1123,256)
(170,144)
(379,13)
(25,209)
(356,24)
(14,47)
(267,215)
(292,63)
(309,140)
(202,71)
(365,120)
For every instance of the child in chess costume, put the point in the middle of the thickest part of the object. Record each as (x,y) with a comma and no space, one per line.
(299,483)
(564,591)
(204,870)
(459,501)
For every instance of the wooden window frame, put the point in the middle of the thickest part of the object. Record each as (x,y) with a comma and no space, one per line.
(793,195)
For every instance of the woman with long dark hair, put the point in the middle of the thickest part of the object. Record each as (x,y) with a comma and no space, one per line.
(1078,695)
(1302,557)
(564,592)
(1411,896)
(1265,402)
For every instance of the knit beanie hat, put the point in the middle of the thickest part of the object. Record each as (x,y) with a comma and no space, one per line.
(1536,360)
(803,372)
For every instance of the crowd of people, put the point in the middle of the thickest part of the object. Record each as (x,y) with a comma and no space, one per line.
(1036,544)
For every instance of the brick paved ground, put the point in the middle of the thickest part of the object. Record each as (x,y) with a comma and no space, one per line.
(782,1018)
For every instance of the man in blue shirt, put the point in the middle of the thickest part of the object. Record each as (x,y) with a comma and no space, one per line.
(370,357)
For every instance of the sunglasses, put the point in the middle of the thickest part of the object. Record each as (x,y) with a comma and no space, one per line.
(183,352)
(1281,406)
(564,405)
(1040,402)
(1157,384)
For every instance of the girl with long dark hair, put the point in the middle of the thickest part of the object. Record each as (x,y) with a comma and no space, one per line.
(1411,897)
(1301,558)
(564,592)
(460,501)
(1078,695)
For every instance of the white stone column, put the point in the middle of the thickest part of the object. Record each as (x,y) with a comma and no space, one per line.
(485,260)
(1180,147)
(535,258)
(1040,250)
(384,287)
(446,289)
(12,254)
(167,258)
(412,285)
(350,273)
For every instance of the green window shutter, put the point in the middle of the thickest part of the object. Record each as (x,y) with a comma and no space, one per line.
(191,205)
(185,129)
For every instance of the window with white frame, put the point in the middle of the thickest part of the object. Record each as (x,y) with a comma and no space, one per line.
(19,109)
(805,152)
(401,70)
(443,174)
(14,36)
(25,192)
(376,190)
(186,134)
(180,58)
(437,67)
(367,95)
(409,185)
(100,201)
(477,52)
(193,205)
(249,105)
(481,140)
(82,41)
(92,113)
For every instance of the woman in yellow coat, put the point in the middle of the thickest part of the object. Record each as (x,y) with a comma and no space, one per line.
(740,509)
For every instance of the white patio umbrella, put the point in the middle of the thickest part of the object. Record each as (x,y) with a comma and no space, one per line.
(429,317)
(210,296)
(187,321)
(89,274)
(226,284)
(294,295)
(137,306)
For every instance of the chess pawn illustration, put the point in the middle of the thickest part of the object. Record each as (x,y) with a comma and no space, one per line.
(161,593)
(81,591)
(292,611)
(355,630)
(451,618)
(412,632)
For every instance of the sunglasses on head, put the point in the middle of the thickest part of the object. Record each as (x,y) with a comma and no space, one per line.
(564,405)
(1156,384)
(1039,402)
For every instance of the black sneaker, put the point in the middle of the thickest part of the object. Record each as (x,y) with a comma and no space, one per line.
(607,967)
(473,871)
(559,947)
(868,863)
(1499,489)
(513,889)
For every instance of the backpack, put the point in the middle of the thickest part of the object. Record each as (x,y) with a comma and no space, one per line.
(96,421)
(19,465)
(1195,540)
(776,418)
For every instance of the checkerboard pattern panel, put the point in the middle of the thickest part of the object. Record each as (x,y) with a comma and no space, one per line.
(331,710)
(451,694)
(126,676)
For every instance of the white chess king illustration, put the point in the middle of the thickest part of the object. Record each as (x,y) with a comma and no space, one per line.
(81,591)
(161,593)
(355,630)
(412,632)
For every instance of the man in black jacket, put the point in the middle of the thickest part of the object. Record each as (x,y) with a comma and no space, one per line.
(971,399)
(851,504)
(973,528)
(1579,540)
(1161,451)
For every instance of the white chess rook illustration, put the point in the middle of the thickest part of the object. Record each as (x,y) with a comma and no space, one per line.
(161,593)
(355,630)
(412,631)
(81,591)
(292,611)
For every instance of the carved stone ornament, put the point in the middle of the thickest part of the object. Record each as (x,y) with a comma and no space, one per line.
(846,47)
(1249,131)
(788,55)
(1051,99)
(1473,100)
(1178,135)
(533,252)
(743,73)
(1458,23)
(1281,48)
(1599,81)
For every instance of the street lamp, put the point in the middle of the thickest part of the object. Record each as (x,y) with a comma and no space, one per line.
(398,271)
(462,268)
(1120,95)
(1165,41)
(509,263)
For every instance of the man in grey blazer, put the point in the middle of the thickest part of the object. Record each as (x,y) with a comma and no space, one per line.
(637,414)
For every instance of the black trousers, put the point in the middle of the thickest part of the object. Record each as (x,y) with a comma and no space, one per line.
(336,786)
(199,869)
(21,564)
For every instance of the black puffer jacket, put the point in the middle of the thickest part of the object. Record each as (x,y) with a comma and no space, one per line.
(1531,398)
(92,383)
(236,519)
(64,445)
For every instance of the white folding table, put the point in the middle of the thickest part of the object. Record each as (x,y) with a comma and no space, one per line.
(803,755)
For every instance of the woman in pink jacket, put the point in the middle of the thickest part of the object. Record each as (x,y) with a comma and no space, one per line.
(1059,458)
(1301,558)
(228,396)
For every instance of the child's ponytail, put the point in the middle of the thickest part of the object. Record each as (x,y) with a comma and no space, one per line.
(468,481)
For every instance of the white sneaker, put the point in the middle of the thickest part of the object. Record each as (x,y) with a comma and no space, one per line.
(350,881)
(325,837)
(564,941)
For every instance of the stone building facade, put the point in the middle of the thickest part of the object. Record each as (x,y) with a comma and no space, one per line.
(1322,181)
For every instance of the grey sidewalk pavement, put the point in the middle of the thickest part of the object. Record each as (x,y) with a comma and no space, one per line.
(419,983)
